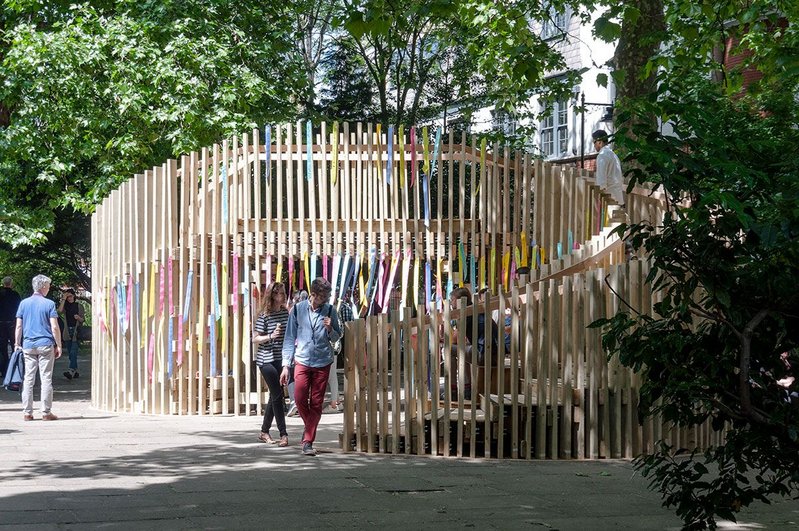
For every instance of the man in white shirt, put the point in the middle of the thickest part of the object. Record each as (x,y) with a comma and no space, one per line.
(608,167)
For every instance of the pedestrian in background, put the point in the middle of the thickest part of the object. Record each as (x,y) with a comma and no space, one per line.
(9,302)
(608,168)
(270,328)
(73,318)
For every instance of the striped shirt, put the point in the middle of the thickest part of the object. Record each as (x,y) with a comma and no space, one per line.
(271,350)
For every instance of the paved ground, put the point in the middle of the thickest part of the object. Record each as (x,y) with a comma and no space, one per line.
(93,469)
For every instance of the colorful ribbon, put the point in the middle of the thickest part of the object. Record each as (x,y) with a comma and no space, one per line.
(426,202)
(395,261)
(436,151)
(334,164)
(461,264)
(426,150)
(217,309)
(523,261)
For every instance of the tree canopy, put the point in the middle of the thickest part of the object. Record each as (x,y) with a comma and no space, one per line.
(94,92)
(722,343)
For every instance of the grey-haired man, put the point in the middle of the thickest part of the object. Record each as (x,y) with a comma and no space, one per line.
(39,336)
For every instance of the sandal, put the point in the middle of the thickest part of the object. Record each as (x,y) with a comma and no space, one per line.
(284,441)
(266,438)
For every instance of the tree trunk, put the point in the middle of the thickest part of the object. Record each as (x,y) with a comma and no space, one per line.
(640,40)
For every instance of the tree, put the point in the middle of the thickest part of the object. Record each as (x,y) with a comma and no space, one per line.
(64,256)
(348,94)
(489,52)
(724,260)
(313,24)
(97,91)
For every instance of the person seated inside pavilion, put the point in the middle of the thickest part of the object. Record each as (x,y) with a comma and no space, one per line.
(456,296)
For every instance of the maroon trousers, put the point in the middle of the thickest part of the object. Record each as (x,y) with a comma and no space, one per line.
(309,395)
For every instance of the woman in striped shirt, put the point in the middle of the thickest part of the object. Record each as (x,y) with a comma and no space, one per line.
(270,327)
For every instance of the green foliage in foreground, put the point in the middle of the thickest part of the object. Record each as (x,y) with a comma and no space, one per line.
(725,264)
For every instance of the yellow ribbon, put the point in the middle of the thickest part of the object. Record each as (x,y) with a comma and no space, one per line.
(307,267)
(362,285)
(151,309)
(334,166)
(523,261)
(506,270)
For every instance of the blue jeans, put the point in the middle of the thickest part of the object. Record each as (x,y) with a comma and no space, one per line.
(71,346)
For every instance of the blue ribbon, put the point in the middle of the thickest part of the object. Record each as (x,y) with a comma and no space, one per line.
(435,151)
(215,288)
(356,269)
(170,357)
(473,272)
(372,271)
(426,201)
(187,297)
(312,270)
(120,305)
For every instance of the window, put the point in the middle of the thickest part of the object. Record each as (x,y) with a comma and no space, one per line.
(555,129)
(556,24)
(504,121)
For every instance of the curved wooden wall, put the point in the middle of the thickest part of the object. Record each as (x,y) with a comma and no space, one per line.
(180,251)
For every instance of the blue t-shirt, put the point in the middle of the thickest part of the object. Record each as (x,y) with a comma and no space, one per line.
(35,312)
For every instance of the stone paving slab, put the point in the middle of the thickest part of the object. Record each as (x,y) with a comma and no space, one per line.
(98,470)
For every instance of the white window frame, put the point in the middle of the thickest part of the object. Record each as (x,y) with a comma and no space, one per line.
(556,23)
(504,121)
(554,129)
